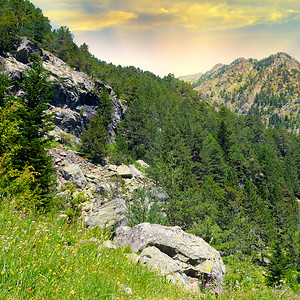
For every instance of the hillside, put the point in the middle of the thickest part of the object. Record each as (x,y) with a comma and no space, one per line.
(267,88)
(191,78)
(98,145)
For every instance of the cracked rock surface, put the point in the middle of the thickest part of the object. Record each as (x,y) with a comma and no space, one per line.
(181,256)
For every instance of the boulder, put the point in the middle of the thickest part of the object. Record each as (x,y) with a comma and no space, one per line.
(155,259)
(135,172)
(143,164)
(96,189)
(92,178)
(68,120)
(12,68)
(26,49)
(73,173)
(124,171)
(112,168)
(109,215)
(173,252)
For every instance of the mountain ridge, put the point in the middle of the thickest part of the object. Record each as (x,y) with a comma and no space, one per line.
(267,87)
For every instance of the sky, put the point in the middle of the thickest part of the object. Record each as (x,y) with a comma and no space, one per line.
(179,36)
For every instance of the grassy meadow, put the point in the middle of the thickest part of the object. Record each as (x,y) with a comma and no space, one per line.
(46,257)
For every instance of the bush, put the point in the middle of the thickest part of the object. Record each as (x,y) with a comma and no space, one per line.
(145,207)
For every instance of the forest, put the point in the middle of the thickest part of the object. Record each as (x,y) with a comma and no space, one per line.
(229,179)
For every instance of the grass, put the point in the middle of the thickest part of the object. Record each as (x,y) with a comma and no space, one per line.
(45,257)
(245,280)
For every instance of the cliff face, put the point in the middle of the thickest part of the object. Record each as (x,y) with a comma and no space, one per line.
(76,95)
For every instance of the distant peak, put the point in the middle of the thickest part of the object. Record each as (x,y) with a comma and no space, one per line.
(283,54)
(280,55)
(217,67)
(278,59)
(239,60)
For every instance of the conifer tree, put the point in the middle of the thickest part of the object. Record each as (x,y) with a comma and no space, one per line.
(94,140)
(3,88)
(277,266)
(34,127)
(105,108)
(145,208)
(223,138)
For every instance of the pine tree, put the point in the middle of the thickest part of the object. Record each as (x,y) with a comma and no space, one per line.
(3,88)
(34,127)
(15,185)
(105,108)
(276,269)
(223,138)
(144,207)
(94,140)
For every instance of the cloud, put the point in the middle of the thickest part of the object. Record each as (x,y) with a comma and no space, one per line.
(151,21)
(208,15)
(179,36)
(292,11)
(78,21)
(190,14)
(222,16)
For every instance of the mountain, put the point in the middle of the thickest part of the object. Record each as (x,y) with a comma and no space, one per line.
(191,78)
(268,88)
(224,177)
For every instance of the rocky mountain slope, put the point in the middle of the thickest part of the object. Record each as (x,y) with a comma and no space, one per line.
(267,87)
(108,189)
(74,103)
(76,95)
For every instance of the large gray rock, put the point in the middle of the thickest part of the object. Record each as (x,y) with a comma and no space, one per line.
(173,269)
(73,173)
(26,49)
(124,171)
(109,215)
(12,68)
(155,259)
(173,252)
(79,93)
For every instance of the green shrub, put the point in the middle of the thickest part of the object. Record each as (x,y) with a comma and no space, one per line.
(145,207)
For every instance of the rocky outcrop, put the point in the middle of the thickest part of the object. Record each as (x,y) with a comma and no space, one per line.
(26,49)
(76,95)
(73,173)
(129,171)
(108,188)
(182,257)
(109,215)
(143,164)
